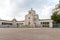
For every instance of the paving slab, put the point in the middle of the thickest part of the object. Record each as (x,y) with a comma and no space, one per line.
(29,33)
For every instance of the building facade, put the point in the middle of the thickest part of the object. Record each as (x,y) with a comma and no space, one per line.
(31,21)
(57,8)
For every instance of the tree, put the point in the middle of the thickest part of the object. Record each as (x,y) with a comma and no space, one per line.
(56,17)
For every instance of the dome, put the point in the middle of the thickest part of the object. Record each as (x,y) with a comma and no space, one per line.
(14,19)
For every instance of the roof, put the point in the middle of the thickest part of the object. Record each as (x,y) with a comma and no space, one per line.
(44,19)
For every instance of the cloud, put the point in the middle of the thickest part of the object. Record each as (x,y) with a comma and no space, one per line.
(19,8)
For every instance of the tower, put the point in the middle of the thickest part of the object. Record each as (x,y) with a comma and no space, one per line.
(31,18)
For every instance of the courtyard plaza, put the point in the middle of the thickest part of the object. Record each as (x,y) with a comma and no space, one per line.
(29,33)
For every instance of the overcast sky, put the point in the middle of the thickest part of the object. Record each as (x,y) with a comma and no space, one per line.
(19,8)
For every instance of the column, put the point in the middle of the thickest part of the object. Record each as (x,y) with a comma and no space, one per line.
(50,25)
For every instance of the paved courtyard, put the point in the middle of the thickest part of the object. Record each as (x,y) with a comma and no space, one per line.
(29,34)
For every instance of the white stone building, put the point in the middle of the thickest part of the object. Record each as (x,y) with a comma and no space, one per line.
(31,21)
(57,8)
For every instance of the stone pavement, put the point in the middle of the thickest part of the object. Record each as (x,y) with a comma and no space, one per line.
(29,34)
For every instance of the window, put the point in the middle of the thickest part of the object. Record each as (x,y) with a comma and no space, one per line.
(28,17)
(45,24)
(41,23)
(3,23)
